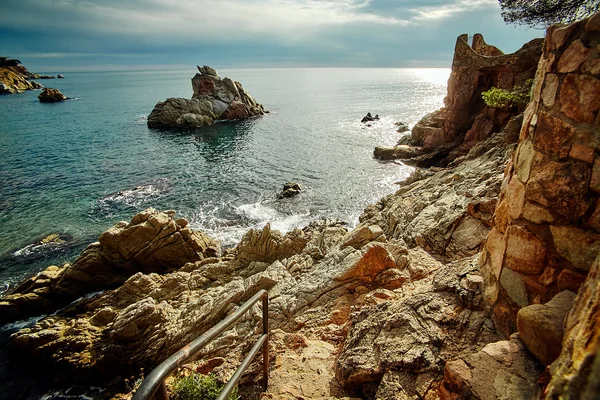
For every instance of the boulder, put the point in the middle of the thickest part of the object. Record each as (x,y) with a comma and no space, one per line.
(152,242)
(402,127)
(541,326)
(59,76)
(369,118)
(178,112)
(395,152)
(214,98)
(50,95)
(290,189)
(501,370)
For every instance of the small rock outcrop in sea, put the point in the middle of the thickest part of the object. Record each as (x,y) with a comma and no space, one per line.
(59,76)
(290,189)
(14,78)
(369,118)
(152,242)
(402,127)
(50,95)
(213,99)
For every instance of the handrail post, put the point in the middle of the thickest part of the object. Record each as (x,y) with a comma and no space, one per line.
(265,304)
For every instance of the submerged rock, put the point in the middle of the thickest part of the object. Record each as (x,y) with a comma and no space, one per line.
(290,189)
(50,95)
(213,99)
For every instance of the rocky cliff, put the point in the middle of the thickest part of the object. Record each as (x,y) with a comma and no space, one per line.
(466,283)
(214,99)
(14,78)
(449,133)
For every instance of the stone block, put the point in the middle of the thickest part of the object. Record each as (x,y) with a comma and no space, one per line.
(526,155)
(501,216)
(525,252)
(496,246)
(577,246)
(573,57)
(561,186)
(580,97)
(582,153)
(594,220)
(515,198)
(552,133)
(536,213)
(593,24)
(513,285)
(550,90)
(560,36)
(570,280)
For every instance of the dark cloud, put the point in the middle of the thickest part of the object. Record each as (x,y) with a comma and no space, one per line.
(52,33)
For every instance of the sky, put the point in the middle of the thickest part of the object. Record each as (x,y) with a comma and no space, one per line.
(71,35)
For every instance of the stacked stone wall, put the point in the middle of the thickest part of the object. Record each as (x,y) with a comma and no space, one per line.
(546,231)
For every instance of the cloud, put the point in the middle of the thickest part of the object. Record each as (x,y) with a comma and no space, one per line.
(256,32)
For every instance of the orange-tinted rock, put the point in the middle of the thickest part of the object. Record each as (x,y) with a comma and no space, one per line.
(502,217)
(561,187)
(573,57)
(576,245)
(551,133)
(525,252)
(594,220)
(560,35)
(515,198)
(570,280)
(580,97)
(536,213)
(582,153)
(236,110)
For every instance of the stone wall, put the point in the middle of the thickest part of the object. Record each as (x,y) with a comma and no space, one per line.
(546,227)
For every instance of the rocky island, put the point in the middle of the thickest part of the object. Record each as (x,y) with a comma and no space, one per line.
(214,99)
(478,278)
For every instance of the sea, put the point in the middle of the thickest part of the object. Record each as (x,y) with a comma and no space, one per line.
(73,169)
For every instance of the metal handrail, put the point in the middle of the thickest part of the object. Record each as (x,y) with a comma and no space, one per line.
(156,378)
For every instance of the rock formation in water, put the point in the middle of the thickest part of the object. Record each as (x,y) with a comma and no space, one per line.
(449,133)
(213,99)
(465,283)
(50,95)
(14,77)
(152,242)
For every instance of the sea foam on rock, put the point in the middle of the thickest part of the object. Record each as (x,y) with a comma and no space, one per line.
(213,99)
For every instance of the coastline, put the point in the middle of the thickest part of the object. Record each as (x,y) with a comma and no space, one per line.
(428,296)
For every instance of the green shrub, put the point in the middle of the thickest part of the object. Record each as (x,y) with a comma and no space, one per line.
(518,97)
(199,387)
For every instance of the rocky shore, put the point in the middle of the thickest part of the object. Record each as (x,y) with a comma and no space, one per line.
(478,278)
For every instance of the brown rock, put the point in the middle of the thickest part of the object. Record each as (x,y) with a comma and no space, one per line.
(501,370)
(525,252)
(513,285)
(375,260)
(551,133)
(570,280)
(580,97)
(594,220)
(582,153)
(573,57)
(561,187)
(236,110)
(537,214)
(526,156)
(541,326)
(593,24)
(360,236)
(515,198)
(578,246)
(550,90)
(560,35)
(502,216)
(49,95)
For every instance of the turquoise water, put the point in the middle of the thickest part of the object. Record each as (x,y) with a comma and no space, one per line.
(77,167)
